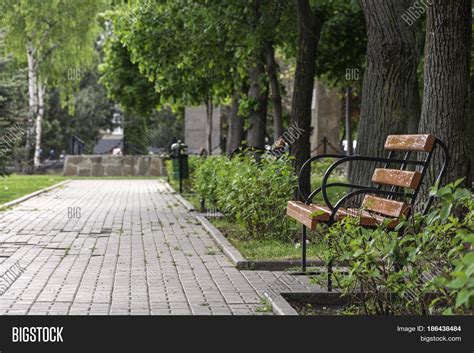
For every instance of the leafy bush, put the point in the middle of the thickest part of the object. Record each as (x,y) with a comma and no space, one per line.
(428,270)
(254,194)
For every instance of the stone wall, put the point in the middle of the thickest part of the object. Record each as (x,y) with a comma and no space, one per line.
(108,165)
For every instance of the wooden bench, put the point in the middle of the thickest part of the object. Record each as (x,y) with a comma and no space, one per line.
(386,201)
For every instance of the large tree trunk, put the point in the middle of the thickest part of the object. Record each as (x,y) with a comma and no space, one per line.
(39,121)
(236,125)
(308,39)
(471,127)
(446,95)
(28,166)
(388,101)
(272,72)
(258,95)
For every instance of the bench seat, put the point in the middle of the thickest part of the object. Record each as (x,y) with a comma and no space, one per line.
(310,215)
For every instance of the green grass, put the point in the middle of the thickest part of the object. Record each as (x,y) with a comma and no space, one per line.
(268,249)
(15,186)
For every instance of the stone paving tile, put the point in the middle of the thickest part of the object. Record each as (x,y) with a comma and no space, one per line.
(134,250)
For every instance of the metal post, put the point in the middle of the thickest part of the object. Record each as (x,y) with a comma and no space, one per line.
(330,276)
(350,151)
(180,161)
(303,249)
(202,204)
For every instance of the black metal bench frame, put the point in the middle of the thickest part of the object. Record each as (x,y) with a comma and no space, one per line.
(363,189)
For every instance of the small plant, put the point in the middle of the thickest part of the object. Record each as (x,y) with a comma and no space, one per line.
(210,251)
(427,270)
(265,307)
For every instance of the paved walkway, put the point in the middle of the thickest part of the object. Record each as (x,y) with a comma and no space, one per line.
(133,249)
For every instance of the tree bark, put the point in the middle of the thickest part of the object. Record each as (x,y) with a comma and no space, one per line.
(236,125)
(258,95)
(272,72)
(446,94)
(308,39)
(28,166)
(388,102)
(39,120)
(471,127)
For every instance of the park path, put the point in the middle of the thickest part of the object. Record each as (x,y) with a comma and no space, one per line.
(116,247)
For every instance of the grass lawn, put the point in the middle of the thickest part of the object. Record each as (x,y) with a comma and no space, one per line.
(269,249)
(15,186)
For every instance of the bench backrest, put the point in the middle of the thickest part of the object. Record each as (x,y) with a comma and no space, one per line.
(400,179)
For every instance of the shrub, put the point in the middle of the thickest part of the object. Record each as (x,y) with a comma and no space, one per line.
(254,194)
(206,179)
(434,259)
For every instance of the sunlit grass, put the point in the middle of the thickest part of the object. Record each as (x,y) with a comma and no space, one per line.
(15,186)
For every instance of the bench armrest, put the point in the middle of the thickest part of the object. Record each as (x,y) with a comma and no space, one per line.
(307,164)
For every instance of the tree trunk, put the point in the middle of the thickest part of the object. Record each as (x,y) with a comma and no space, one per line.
(415,111)
(28,166)
(209,112)
(258,95)
(389,80)
(39,120)
(471,127)
(446,94)
(236,125)
(272,73)
(308,39)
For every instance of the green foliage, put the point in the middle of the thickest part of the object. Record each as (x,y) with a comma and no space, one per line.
(93,113)
(61,33)
(434,259)
(254,194)
(13,110)
(342,48)
(124,82)
(134,131)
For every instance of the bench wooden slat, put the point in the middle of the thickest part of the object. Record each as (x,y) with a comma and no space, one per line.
(402,178)
(383,206)
(304,214)
(420,143)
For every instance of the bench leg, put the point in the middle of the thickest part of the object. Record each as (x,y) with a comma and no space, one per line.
(303,249)
(330,276)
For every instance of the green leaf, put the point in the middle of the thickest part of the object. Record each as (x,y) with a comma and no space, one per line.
(463,297)
(459,282)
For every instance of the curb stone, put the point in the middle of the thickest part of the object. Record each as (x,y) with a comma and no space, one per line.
(279,305)
(180,198)
(232,253)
